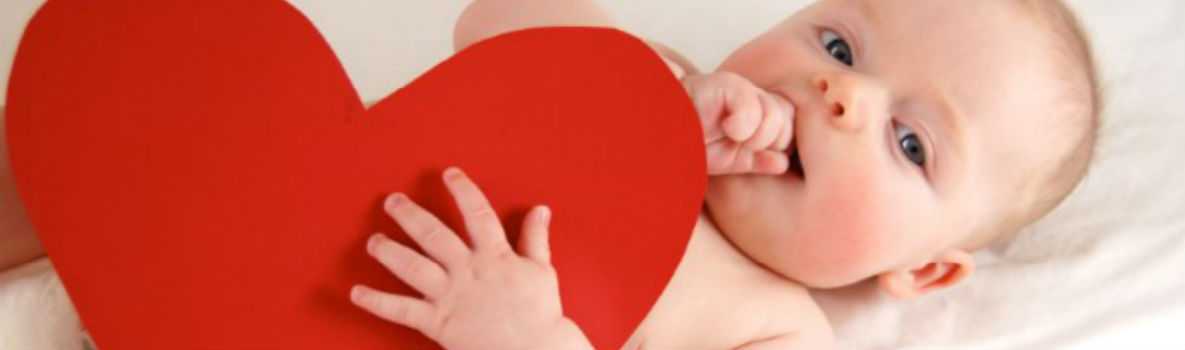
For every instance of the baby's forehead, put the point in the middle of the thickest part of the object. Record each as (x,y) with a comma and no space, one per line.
(1019,125)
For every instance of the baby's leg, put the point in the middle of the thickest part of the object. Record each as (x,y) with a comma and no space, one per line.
(18,244)
(486,18)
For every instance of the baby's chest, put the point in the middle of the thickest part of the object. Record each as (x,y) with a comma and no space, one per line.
(716,302)
(709,321)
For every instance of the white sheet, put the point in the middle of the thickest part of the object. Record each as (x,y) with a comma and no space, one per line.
(1104,271)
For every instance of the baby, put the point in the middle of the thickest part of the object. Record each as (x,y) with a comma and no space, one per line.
(858,139)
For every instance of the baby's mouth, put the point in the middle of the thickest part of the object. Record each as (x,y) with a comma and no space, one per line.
(795,161)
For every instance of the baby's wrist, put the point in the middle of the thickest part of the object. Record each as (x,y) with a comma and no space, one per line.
(566,335)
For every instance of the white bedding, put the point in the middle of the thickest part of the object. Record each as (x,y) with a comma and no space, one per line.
(1106,270)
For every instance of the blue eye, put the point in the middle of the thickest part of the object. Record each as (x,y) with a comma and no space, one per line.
(910,144)
(837,47)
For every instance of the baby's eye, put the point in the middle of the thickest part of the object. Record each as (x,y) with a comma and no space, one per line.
(837,47)
(910,144)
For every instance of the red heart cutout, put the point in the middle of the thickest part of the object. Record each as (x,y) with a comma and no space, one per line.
(203,174)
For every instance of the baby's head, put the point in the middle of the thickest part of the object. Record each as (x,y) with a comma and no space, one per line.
(925,129)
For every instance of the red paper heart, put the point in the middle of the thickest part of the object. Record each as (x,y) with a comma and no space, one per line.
(203,174)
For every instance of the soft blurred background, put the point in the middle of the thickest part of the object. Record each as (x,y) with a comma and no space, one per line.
(1106,270)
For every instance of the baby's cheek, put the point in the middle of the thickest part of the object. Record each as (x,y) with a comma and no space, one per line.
(850,235)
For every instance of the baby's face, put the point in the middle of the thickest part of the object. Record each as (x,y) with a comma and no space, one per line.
(914,119)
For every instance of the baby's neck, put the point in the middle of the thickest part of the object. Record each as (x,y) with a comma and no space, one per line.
(708,242)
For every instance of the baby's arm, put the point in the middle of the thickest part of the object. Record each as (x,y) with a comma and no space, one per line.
(483,19)
(487,18)
(800,324)
(789,341)
(746,129)
(18,243)
(776,343)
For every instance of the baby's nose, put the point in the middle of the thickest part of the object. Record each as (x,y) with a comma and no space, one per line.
(850,101)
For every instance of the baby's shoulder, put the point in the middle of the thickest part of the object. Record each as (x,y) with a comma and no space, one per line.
(786,305)
(747,292)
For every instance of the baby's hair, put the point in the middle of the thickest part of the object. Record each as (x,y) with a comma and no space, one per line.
(1079,115)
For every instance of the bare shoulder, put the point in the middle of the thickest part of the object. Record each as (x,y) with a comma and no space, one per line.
(782,311)
(488,18)
(18,243)
(795,318)
(680,66)
(484,19)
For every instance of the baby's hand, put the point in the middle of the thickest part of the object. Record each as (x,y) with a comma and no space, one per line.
(487,297)
(746,129)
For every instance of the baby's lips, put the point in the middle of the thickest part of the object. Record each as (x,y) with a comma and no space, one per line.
(788,110)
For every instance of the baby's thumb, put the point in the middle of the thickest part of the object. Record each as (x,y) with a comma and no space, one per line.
(534,241)
(729,158)
(770,162)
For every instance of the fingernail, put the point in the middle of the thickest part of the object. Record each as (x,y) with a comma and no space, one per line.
(373,242)
(452,173)
(356,293)
(545,214)
(396,199)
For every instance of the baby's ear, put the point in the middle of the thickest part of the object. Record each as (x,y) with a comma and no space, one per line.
(944,271)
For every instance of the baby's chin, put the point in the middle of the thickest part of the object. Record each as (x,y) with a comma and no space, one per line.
(760,216)
(753,193)
(752,207)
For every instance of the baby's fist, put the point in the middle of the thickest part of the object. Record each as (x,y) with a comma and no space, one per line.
(746,129)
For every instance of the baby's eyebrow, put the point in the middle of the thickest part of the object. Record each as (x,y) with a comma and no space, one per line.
(952,122)
(866,11)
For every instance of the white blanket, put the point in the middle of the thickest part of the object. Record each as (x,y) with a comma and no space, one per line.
(1106,270)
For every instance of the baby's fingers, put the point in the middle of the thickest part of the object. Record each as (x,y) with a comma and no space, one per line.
(534,241)
(773,119)
(786,133)
(728,157)
(770,162)
(418,271)
(480,218)
(721,157)
(434,236)
(709,104)
(743,112)
(411,312)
